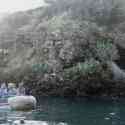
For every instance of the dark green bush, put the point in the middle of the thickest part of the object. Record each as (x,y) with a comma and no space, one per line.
(105,50)
(40,68)
(89,67)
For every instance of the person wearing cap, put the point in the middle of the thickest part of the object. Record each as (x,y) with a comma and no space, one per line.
(21,89)
(12,89)
(3,90)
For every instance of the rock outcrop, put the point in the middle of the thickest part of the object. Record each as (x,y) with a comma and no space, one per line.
(118,73)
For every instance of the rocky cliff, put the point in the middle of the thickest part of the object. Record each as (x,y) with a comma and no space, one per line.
(63,48)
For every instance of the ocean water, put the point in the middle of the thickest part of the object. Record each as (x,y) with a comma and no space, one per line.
(69,111)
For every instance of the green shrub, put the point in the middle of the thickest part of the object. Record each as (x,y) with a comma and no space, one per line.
(105,50)
(89,67)
(40,68)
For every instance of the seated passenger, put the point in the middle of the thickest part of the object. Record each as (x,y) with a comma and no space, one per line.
(21,89)
(3,90)
(12,89)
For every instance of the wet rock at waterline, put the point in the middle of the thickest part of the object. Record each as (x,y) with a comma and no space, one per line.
(22,102)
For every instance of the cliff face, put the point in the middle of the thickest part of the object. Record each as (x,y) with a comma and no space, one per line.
(63,48)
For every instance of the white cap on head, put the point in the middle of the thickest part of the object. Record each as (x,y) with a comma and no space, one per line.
(11,85)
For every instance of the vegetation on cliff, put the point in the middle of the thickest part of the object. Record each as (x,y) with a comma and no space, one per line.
(63,48)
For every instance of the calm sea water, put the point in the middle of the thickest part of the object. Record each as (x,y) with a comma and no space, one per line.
(71,111)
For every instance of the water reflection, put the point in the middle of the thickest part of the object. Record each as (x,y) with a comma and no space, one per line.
(9,117)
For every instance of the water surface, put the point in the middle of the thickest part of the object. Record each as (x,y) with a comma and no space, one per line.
(71,111)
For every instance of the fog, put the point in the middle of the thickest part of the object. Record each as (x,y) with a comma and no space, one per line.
(10,6)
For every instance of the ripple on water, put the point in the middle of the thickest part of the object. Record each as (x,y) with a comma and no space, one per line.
(107,118)
(112,113)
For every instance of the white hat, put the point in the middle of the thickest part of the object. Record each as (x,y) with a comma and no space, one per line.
(11,85)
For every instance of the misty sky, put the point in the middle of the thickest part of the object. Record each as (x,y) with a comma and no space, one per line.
(18,5)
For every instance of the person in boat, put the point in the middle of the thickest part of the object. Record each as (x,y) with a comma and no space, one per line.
(21,89)
(12,91)
(3,90)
